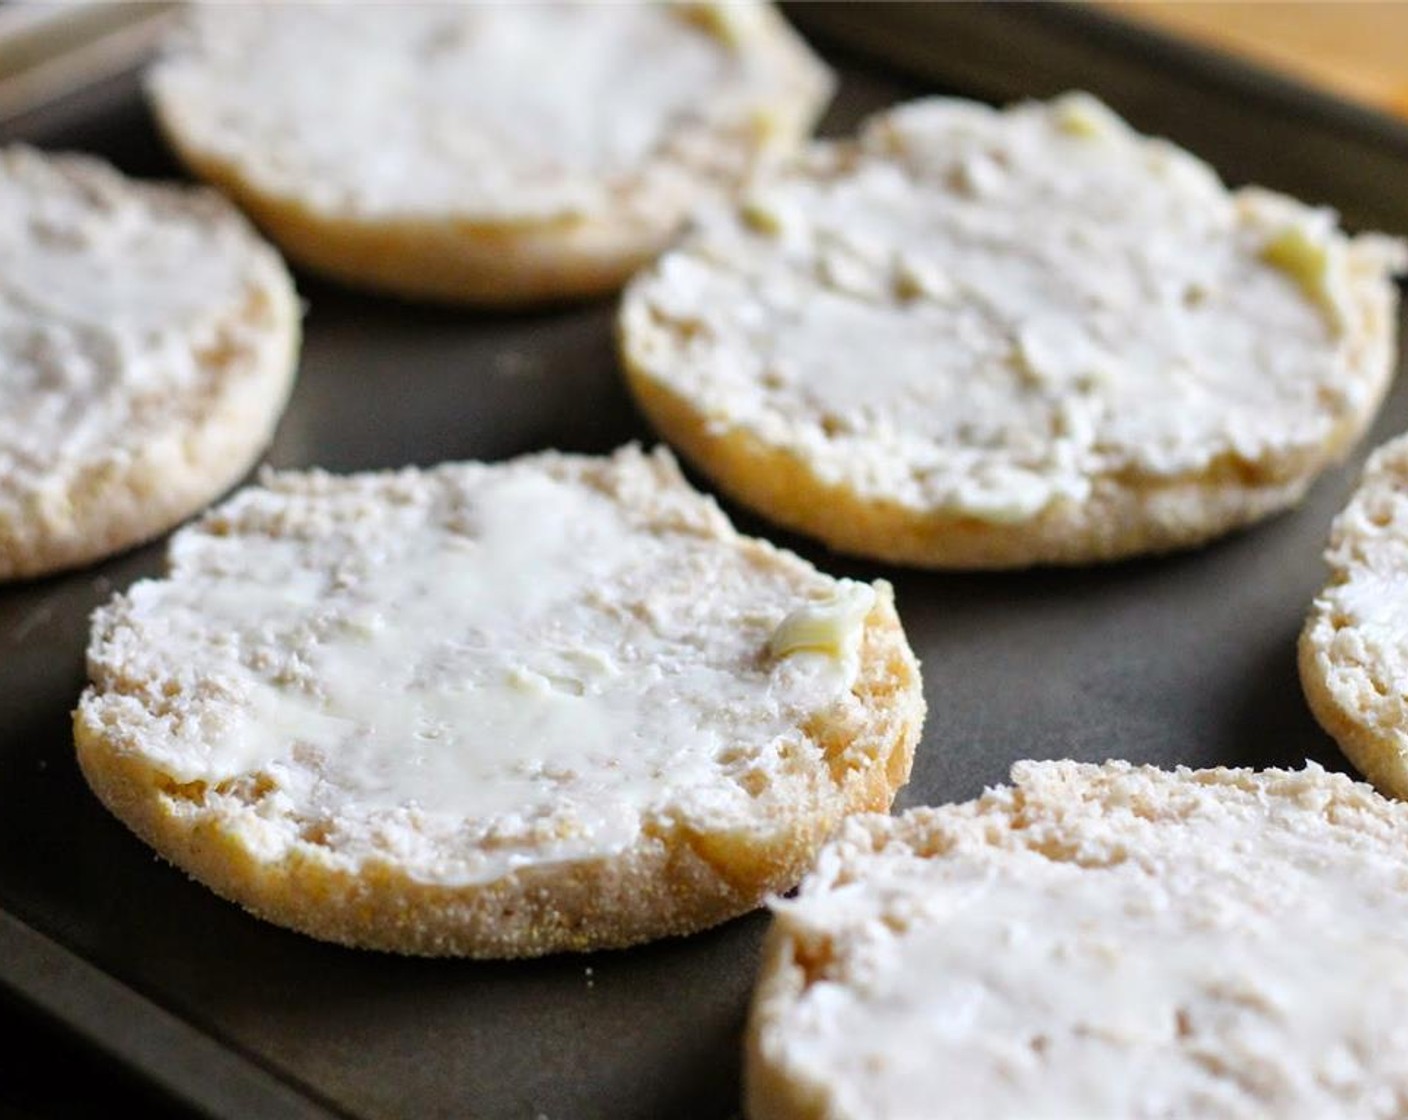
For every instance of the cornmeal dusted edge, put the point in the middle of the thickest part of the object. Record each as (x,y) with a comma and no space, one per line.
(1185,660)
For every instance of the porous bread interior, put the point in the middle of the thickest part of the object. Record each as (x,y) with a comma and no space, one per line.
(679,876)
(209,441)
(1354,671)
(458,258)
(1090,816)
(1126,513)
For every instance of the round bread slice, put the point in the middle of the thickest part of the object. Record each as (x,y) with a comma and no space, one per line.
(495,711)
(148,341)
(974,338)
(1354,647)
(1097,941)
(484,153)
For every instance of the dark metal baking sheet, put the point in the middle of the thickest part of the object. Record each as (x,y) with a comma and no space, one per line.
(1186,659)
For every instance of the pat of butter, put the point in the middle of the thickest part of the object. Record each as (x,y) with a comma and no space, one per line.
(768,124)
(918,279)
(1080,114)
(732,22)
(763,215)
(832,626)
(1307,260)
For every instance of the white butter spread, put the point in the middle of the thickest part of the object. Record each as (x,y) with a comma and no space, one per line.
(530,661)
(489,112)
(983,312)
(1083,115)
(1162,947)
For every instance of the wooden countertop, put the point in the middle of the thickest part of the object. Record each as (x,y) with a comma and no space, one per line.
(1354,48)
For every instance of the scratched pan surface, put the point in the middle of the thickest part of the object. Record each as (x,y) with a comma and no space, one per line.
(151,981)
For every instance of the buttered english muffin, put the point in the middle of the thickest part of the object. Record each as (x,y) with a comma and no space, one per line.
(975,338)
(482,153)
(493,710)
(1096,941)
(1354,646)
(148,341)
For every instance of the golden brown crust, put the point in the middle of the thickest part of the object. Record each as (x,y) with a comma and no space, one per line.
(455,262)
(672,882)
(1376,756)
(1122,517)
